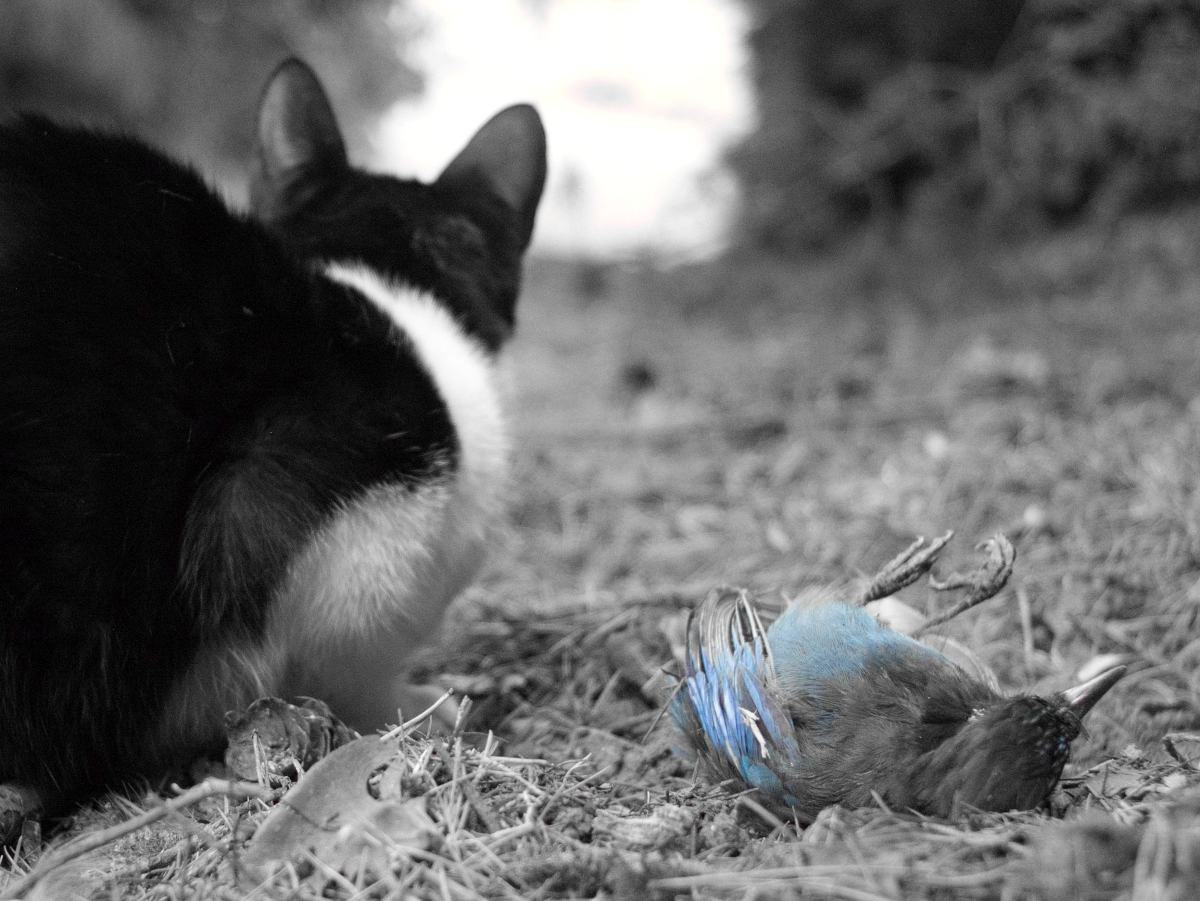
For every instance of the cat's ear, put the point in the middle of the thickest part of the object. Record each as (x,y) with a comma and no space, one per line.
(509,155)
(298,143)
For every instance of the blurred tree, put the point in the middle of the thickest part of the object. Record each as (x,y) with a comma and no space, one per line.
(1021,113)
(848,47)
(187,73)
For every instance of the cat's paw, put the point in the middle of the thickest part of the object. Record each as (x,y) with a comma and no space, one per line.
(18,803)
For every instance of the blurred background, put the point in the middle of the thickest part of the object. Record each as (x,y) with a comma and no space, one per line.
(640,98)
(679,127)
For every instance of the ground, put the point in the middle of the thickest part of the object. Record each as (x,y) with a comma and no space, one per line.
(777,427)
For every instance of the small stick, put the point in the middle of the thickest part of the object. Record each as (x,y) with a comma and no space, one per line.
(92,841)
(761,812)
(461,717)
(407,726)
(491,822)
(1169,742)
(665,707)
(1026,612)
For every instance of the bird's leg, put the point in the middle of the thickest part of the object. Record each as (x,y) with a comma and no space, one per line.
(905,569)
(981,584)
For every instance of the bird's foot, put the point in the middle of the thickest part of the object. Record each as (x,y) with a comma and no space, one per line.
(981,584)
(905,569)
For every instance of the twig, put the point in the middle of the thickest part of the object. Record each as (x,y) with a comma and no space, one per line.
(1169,742)
(662,711)
(761,812)
(1026,612)
(92,841)
(408,725)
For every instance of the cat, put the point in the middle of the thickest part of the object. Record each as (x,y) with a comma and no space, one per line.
(240,455)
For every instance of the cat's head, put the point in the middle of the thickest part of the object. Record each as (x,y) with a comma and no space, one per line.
(460,237)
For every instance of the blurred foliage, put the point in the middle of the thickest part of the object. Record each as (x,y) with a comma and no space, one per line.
(1006,115)
(187,73)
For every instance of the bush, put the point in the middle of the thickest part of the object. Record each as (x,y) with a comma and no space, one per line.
(1020,117)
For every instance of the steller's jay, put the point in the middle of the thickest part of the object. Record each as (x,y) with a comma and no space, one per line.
(829,706)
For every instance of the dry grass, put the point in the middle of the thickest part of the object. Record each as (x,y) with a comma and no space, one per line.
(662,452)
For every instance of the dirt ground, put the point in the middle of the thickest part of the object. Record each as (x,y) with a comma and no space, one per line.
(672,435)
(792,428)
(778,428)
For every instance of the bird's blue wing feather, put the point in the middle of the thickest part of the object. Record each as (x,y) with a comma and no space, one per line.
(726,706)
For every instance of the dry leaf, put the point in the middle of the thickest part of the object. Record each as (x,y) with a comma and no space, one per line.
(333,815)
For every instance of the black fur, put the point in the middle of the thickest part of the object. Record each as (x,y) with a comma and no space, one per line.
(184,399)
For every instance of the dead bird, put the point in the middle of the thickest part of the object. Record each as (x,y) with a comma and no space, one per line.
(829,706)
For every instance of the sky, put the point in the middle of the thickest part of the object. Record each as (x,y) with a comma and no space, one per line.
(639,97)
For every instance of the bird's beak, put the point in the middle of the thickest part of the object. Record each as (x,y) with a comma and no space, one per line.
(1083,698)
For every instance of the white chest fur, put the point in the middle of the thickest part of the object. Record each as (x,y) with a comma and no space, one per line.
(463,371)
(375,581)
(372,584)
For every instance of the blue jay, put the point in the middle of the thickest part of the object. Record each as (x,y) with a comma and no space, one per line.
(829,706)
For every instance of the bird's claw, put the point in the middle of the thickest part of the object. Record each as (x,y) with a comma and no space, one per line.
(983,583)
(914,562)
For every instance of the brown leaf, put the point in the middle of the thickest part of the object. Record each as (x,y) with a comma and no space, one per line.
(333,815)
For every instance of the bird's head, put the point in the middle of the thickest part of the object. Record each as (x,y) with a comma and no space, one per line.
(1010,754)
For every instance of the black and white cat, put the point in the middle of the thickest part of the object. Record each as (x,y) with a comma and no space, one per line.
(239,456)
